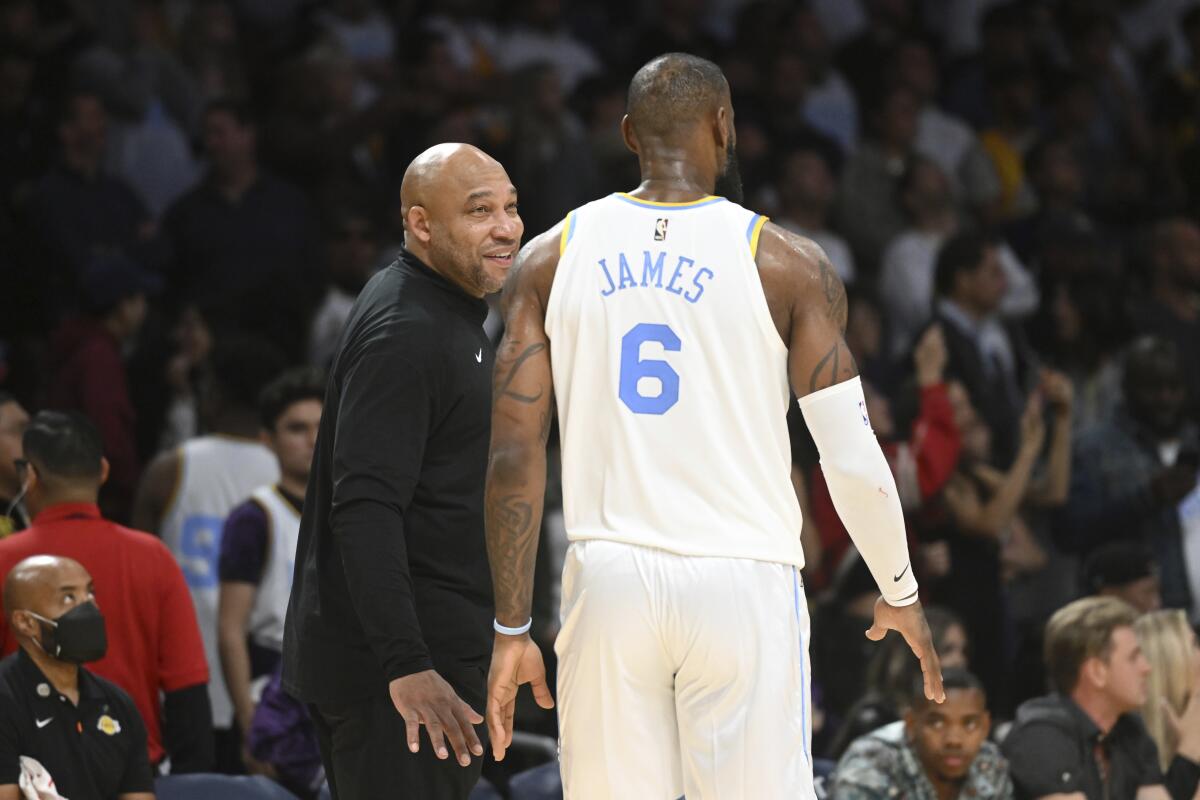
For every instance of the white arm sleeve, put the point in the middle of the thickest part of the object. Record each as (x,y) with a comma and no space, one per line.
(861,485)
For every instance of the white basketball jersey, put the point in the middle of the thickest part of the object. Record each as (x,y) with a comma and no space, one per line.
(271,597)
(216,473)
(672,382)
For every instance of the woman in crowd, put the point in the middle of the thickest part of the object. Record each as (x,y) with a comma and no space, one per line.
(1172,709)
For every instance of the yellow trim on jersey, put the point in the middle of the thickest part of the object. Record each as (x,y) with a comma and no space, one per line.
(639,200)
(568,227)
(755,232)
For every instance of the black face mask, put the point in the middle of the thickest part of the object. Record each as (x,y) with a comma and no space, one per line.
(76,637)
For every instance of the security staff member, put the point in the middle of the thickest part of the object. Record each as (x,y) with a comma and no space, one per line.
(389,623)
(84,731)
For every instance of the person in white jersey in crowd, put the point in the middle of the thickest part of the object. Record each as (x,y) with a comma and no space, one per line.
(187,493)
(258,545)
(670,323)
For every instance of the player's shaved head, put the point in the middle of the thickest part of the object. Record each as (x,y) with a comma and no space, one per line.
(32,583)
(673,91)
(459,210)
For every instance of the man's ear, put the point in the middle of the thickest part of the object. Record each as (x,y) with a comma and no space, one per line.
(987,724)
(104,470)
(23,623)
(1095,672)
(416,224)
(627,134)
(723,128)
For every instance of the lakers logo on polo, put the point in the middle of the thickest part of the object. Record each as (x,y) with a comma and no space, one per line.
(108,725)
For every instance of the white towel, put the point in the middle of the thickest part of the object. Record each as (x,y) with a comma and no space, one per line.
(36,783)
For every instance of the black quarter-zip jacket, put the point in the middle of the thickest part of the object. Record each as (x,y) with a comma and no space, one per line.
(391,573)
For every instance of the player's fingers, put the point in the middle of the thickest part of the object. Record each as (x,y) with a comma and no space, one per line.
(469,714)
(412,729)
(541,691)
(433,726)
(495,720)
(509,711)
(467,720)
(454,732)
(931,667)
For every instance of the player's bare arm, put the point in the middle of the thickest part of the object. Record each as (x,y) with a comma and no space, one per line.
(155,492)
(522,408)
(808,304)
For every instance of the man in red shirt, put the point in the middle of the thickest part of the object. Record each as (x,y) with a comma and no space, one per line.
(154,642)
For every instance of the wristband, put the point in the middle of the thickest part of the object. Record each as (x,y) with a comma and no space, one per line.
(507,631)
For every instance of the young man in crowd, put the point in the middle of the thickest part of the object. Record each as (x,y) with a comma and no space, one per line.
(938,752)
(258,544)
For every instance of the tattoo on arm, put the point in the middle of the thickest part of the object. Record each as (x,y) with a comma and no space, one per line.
(504,391)
(835,366)
(835,294)
(512,547)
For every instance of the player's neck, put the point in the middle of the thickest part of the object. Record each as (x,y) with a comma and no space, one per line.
(672,176)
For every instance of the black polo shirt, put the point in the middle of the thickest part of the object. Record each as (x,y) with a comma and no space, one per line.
(93,751)
(1055,748)
(391,570)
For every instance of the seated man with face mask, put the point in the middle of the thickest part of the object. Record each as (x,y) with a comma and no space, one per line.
(82,731)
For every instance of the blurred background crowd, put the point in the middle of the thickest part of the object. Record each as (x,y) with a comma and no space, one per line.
(1008,188)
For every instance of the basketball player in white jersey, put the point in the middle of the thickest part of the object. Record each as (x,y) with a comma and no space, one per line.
(258,542)
(671,323)
(187,493)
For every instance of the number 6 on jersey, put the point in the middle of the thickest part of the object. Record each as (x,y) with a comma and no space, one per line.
(634,368)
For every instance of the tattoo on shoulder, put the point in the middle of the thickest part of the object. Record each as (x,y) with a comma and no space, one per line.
(504,390)
(834,291)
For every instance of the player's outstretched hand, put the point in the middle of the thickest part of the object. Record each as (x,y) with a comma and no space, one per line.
(515,660)
(424,698)
(910,622)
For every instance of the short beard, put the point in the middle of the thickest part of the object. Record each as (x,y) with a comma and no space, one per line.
(729,182)
(459,267)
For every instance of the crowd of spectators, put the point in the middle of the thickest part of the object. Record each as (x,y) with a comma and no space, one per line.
(192,192)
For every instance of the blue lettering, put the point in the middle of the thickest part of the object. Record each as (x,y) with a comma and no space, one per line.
(612,287)
(626,273)
(696,282)
(671,287)
(653,271)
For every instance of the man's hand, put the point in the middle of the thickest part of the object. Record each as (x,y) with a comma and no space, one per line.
(910,622)
(424,698)
(515,660)
(1059,391)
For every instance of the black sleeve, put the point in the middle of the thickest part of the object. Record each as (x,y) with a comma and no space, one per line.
(137,776)
(10,743)
(382,425)
(187,729)
(1183,778)
(1043,759)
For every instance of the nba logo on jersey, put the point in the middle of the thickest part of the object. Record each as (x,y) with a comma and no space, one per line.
(660,230)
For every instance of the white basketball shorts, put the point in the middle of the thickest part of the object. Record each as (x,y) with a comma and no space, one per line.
(682,675)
